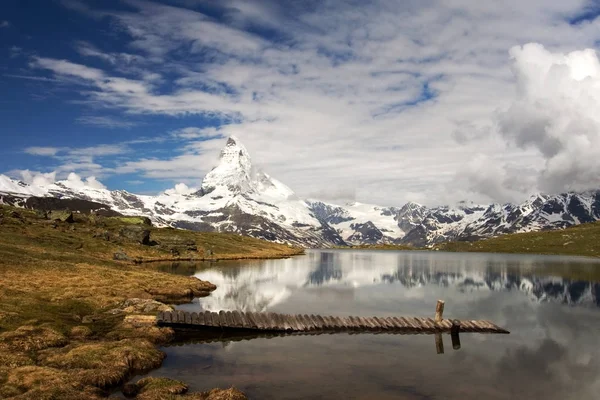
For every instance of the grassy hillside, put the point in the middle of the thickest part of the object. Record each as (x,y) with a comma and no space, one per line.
(579,240)
(68,284)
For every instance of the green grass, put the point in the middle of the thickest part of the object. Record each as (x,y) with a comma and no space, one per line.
(579,240)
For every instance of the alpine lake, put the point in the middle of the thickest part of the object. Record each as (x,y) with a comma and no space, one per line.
(550,304)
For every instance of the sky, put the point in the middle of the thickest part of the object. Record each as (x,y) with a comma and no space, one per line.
(382,101)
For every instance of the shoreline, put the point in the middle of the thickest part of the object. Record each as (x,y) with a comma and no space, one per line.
(68,308)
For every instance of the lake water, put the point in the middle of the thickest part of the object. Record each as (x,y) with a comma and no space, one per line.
(551,305)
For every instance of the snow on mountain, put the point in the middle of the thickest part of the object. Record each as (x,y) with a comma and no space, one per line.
(235,197)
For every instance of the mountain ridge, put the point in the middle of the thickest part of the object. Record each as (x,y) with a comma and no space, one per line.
(236,197)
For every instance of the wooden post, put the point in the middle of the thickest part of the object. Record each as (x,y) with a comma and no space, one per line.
(439,343)
(455,340)
(454,334)
(439,311)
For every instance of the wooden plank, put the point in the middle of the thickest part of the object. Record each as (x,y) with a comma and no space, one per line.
(168,317)
(466,326)
(410,323)
(404,322)
(298,321)
(194,319)
(201,320)
(250,319)
(382,323)
(262,321)
(373,323)
(160,317)
(354,323)
(394,325)
(270,320)
(312,322)
(369,324)
(237,319)
(347,323)
(255,317)
(187,318)
(207,318)
(288,324)
(310,325)
(304,322)
(337,323)
(283,322)
(320,322)
(229,319)
(280,322)
(220,317)
(181,317)
(216,319)
(246,324)
(291,321)
(329,323)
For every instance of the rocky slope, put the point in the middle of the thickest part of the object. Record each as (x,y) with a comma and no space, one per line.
(235,197)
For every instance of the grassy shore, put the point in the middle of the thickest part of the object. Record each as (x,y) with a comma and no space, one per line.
(578,240)
(66,302)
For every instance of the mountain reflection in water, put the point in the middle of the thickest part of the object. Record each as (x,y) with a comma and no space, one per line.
(262,285)
(550,305)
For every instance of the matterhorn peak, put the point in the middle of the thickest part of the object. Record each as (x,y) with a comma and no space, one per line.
(234,171)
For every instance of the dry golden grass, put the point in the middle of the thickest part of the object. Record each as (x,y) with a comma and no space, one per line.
(57,340)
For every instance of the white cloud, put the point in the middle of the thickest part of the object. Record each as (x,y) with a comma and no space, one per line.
(37,178)
(181,188)
(64,67)
(76,182)
(196,133)
(42,151)
(105,122)
(556,112)
(393,100)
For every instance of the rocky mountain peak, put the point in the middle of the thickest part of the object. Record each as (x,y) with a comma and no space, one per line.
(234,171)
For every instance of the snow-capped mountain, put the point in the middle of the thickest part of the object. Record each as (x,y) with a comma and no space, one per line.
(235,197)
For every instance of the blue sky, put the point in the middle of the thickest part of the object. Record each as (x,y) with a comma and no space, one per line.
(382,101)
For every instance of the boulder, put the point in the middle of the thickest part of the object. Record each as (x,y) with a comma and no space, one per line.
(102,234)
(136,233)
(140,306)
(177,245)
(62,216)
(121,256)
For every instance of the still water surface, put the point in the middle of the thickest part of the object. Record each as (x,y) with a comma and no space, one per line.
(550,304)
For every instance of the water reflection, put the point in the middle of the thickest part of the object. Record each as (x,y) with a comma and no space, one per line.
(550,305)
(262,285)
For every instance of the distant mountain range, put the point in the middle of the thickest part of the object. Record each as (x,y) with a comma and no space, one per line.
(235,197)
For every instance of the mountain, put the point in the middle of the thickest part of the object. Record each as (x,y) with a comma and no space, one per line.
(236,197)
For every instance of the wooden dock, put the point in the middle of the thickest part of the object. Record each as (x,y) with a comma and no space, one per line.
(272,322)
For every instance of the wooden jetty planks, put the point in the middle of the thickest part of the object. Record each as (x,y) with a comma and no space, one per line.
(316,323)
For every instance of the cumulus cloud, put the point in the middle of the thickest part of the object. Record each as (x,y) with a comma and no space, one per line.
(37,178)
(181,188)
(556,113)
(75,181)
